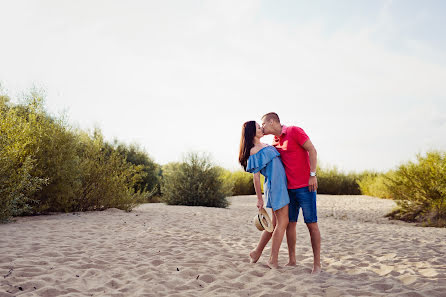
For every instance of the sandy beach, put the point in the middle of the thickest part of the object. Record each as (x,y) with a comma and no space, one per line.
(160,250)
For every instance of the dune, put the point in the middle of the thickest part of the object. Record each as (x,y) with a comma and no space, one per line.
(160,250)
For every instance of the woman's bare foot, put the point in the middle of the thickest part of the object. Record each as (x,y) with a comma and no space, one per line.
(254,255)
(291,263)
(272,265)
(316,269)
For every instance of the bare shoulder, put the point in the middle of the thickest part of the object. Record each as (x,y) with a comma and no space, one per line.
(255,149)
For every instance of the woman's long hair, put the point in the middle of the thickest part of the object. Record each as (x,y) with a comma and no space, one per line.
(246,142)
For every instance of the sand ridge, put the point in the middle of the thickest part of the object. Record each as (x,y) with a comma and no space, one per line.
(160,250)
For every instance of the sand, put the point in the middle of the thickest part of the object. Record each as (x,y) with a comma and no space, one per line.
(160,250)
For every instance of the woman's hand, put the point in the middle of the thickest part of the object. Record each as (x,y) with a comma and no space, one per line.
(259,203)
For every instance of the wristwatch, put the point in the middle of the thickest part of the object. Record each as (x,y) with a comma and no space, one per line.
(312,173)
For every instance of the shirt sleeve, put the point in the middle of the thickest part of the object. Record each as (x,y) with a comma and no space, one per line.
(299,135)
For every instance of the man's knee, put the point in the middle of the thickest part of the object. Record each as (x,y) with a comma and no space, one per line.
(313,227)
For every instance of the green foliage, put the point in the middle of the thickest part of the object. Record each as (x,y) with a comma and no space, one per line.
(46,166)
(242,181)
(17,185)
(419,189)
(151,182)
(53,147)
(375,184)
(333,181)
(195,182)
(107,179)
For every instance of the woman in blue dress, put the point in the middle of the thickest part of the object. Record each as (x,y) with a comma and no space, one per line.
(259,158)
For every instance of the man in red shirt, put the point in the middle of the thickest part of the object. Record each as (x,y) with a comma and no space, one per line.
(299,158)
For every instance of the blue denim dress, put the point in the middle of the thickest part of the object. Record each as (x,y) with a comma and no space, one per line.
(268,162)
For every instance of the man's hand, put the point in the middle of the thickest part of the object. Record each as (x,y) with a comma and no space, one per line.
(259,203)
(312,184)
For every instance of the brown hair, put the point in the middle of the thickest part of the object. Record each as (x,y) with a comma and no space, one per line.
(246,142)
(271,115)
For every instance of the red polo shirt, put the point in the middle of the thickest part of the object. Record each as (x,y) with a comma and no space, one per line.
(295,158)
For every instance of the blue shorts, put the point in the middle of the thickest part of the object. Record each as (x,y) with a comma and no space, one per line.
(302,198)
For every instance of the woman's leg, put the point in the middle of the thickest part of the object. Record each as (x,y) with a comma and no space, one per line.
(264,238)
(281,216)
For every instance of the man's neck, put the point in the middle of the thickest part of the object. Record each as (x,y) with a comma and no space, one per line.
(277,131)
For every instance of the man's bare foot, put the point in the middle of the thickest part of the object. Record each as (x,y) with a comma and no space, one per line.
(254,255)
(272,265)
(291,263)
(316,269)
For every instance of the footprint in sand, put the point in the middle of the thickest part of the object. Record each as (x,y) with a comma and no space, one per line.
(408,279)
(207,278)
(382,287)
(383,270)
(157,262)
(334,292)
(428,272)
(257,273)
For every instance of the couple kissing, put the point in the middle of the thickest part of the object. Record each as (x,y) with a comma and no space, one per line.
(289,168)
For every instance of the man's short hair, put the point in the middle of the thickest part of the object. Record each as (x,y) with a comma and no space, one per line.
(271,115)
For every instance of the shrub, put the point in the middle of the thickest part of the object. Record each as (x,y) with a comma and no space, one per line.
(17,185)
(334,182)
(195,182)
(46,166)
(242,181)
(375,184)
(419,189)
(151,181)
(52,147)
(107,179)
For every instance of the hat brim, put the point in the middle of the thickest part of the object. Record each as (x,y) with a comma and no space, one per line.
(263,222)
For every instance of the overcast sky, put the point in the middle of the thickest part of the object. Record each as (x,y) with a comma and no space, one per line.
(365,79)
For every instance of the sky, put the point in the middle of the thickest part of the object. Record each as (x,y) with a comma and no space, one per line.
(364,79)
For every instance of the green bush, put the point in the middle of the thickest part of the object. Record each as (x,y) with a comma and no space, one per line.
(375,184)
(334,182)
(419,189)
(17,185)
(242,181)
(53,147)
(195,182)
(107,179)
(45,166)
(151,181)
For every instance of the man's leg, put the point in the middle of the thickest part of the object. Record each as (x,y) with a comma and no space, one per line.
(315,235)
(264,239)
(291,241)
(307,200)
(293,214)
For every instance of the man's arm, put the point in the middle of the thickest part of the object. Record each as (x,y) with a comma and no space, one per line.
(309,147)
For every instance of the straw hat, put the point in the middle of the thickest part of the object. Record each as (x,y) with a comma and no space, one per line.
(263,222)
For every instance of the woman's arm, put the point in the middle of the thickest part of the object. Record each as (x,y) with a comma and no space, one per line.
(256,180)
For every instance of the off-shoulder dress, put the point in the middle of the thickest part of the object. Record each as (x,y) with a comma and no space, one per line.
(267,161)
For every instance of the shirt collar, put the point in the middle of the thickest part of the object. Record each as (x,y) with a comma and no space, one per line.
(284,128)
